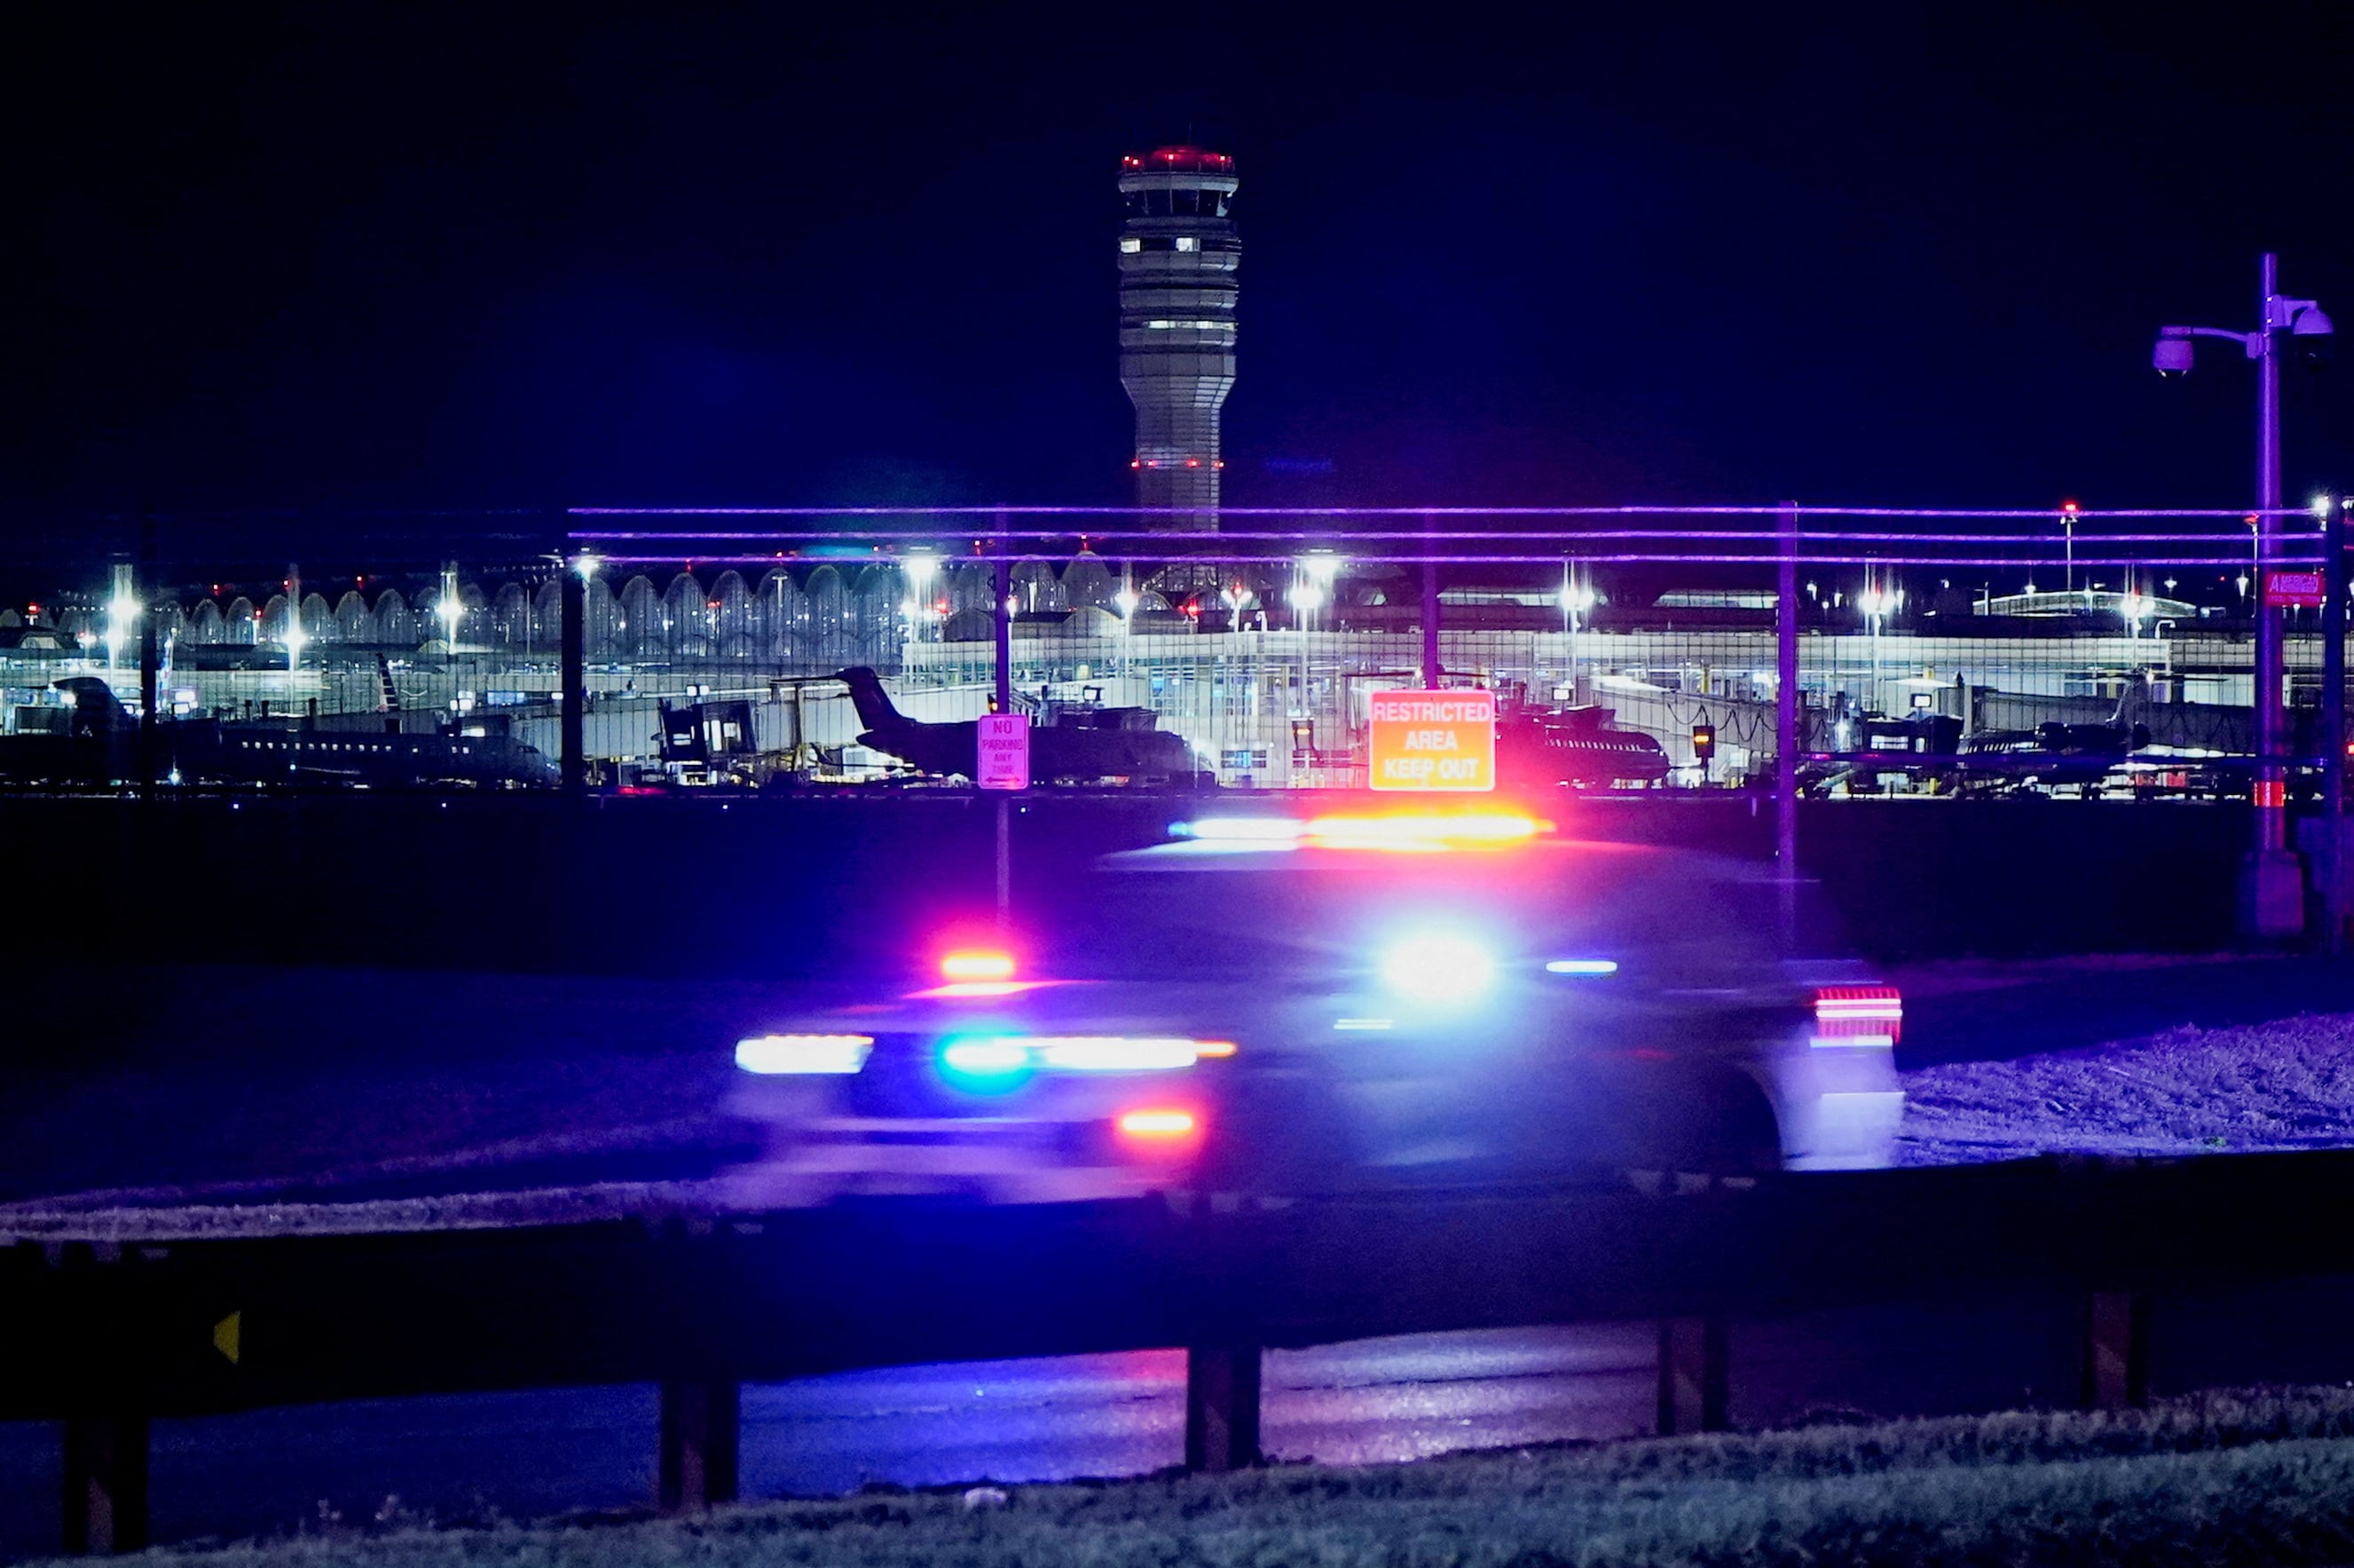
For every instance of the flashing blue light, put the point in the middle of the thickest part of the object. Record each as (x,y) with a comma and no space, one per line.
(1281,832)
(1582,967)
(985,1061)
(985,1058)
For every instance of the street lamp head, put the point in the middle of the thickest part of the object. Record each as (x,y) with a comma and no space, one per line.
(2171,356)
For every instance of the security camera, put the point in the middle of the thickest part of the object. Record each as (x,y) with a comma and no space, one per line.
(2311,335)
(2171,356)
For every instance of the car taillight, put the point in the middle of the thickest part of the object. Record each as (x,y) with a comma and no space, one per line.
(1858,1015)
(1159,1127)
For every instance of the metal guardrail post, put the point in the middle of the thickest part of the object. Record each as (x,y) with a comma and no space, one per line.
(573,656)
(702,1437)
(105,1484)
(2117,1349)
(1694,1374)
(1222,1407)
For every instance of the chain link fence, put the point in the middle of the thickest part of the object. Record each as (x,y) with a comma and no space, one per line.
(1933,654)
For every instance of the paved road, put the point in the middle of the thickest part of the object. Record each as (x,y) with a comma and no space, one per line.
(375,1083)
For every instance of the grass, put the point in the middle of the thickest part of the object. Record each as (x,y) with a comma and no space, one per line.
(2217,1480)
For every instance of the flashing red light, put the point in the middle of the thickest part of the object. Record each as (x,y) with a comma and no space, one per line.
(1220,463)
(976,964)
(1193,462)
(1135,462)
(1159,1124)
(2069,507)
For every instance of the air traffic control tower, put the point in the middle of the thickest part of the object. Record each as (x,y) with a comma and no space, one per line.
(1178,257)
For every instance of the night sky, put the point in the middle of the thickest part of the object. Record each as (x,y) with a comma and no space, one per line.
(355,255)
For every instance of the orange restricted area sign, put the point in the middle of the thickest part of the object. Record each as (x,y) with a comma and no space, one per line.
(1433,740)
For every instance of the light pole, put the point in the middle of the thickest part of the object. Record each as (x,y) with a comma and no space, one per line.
(919,567)
(1577,599)
(1126,599)
(1878,601)
(2272,890)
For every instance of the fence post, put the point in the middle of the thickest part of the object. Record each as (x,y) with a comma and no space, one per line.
(149,662)
(2117,1349)
(702,1436)
(2333,727)
(1787,700)
(1694,1374)
(105,1484)
(1221,1402)
(1000,578)
(572,600)
(1432,676)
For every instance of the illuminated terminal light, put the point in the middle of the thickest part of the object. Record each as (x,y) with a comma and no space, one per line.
(1581,967)
(836,1055)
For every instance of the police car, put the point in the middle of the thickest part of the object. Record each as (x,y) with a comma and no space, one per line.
(1287,1006)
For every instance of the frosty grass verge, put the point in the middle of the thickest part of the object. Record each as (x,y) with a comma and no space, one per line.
(2221,1478)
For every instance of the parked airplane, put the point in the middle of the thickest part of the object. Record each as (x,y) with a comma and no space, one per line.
(1575,746)
(101,745)
(1931,748)
(1082,745)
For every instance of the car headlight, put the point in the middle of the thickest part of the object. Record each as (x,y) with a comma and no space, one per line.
(1438,967)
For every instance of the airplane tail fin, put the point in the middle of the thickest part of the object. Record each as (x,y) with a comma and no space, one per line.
(97,710)
(876,710)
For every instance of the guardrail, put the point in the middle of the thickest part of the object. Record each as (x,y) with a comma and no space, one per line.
(110,1334)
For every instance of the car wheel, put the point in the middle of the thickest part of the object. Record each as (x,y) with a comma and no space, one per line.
(1719,1125)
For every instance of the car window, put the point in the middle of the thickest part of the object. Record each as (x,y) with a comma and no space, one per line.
(1676,917)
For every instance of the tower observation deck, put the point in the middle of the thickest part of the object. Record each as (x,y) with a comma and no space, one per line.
(1178,257)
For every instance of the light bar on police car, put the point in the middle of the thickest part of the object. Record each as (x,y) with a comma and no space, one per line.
(836,1055)
(1413,832)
